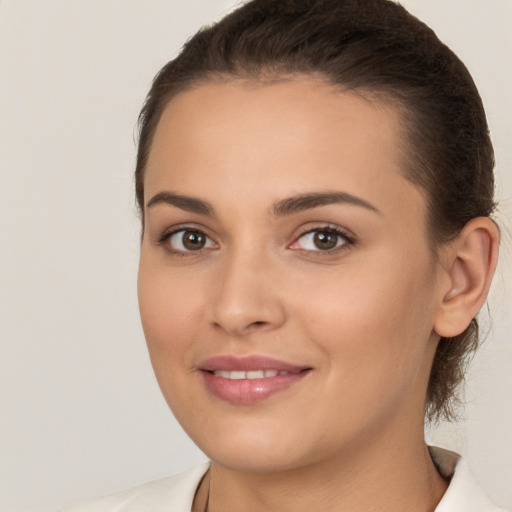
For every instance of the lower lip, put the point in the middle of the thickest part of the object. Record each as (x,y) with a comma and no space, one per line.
(250,391)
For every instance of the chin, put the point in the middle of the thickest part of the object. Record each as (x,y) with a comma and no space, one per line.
(258,448)
(255,460)
(264,445)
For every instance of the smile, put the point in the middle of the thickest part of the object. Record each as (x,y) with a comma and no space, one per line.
(249,380)
(253,374)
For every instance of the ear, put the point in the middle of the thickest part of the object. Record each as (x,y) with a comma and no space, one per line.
(469,263)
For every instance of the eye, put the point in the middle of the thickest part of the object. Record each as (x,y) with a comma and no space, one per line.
(188,240)
(322,240)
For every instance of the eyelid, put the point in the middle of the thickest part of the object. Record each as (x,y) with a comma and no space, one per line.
(347,237)
(344,234)
(173,230)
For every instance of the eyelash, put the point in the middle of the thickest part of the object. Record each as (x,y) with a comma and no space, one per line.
(167,235)
(347,239)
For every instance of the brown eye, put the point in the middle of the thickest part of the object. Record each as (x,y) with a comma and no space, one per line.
(325,241)
(322,240)
(187,240)
(192,240)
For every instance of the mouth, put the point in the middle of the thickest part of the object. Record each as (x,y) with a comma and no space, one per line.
(252,374)
(249,380)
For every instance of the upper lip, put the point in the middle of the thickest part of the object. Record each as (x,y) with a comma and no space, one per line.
(249,363)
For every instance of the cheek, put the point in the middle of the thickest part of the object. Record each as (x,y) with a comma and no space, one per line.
(367,300)
(169,319)
(169,313)
(372,323)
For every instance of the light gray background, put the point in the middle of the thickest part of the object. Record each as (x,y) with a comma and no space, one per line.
(81,414)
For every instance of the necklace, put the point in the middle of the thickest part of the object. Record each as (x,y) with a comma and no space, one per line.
(202,494)
(207,494)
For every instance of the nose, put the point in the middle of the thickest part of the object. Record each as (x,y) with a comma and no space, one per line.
(246,296)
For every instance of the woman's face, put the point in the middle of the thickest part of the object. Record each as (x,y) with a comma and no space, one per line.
(287,286)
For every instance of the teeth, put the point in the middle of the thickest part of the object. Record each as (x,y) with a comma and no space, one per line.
(252,374)
(256,374)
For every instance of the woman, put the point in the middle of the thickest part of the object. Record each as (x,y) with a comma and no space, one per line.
(315,180)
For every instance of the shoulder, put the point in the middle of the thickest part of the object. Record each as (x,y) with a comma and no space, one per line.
(463,494)
(174,493)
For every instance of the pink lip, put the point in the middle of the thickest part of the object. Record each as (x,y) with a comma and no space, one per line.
(249,391)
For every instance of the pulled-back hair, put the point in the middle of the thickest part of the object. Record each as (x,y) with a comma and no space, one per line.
(374,48)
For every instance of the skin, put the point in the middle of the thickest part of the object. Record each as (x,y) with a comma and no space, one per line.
(366,318)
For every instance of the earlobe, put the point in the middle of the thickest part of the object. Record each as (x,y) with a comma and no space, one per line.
(469,266)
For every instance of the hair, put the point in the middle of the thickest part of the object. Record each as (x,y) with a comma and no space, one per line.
(376,49)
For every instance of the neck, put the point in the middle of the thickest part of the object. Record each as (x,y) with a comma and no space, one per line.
(384,476)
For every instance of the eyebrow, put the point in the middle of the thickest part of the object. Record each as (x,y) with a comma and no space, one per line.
(281,208)
(308,201)
(187,203)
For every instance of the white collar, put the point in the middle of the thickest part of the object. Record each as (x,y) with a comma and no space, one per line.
(463,493)
(176,493)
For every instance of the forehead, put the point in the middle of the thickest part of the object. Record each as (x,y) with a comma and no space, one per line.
(296,135)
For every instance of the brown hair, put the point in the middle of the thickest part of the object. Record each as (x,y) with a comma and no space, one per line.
(379,50)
